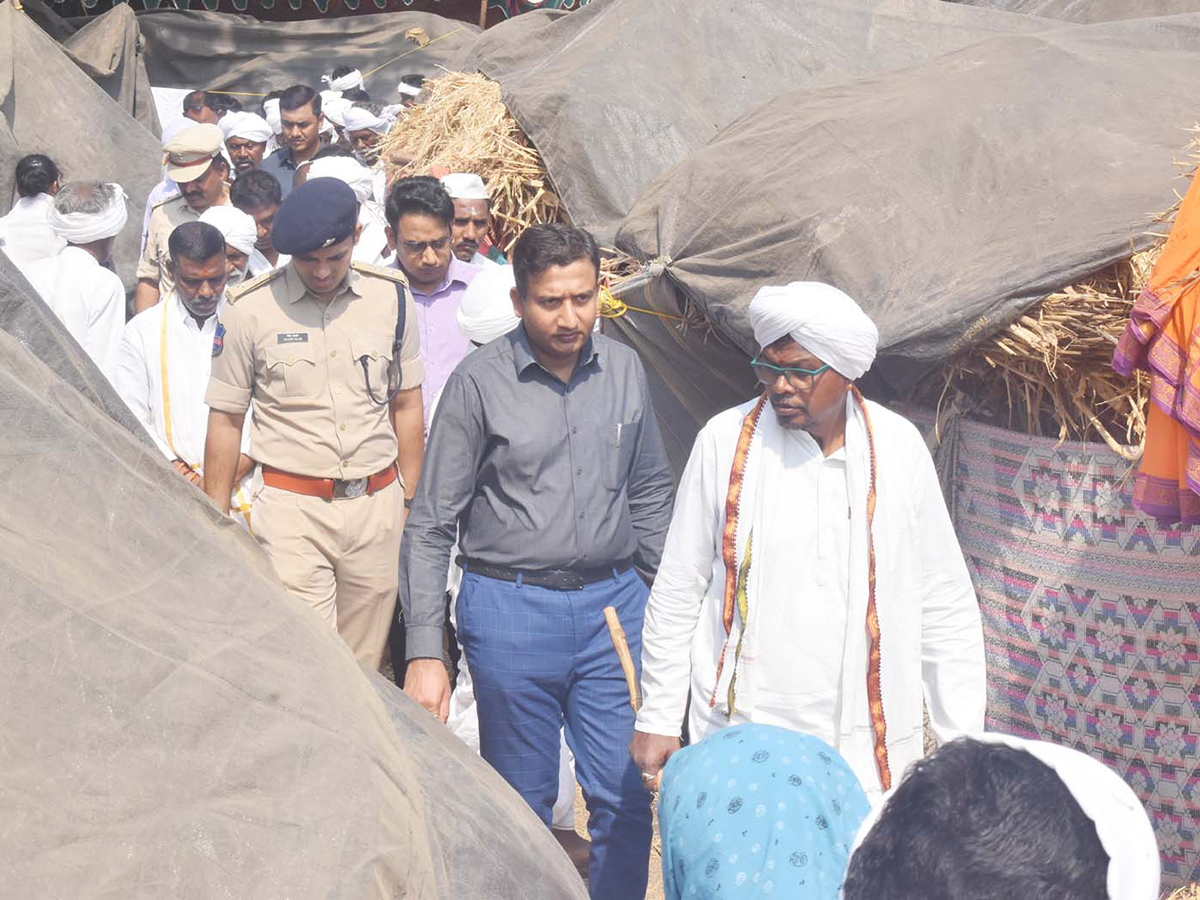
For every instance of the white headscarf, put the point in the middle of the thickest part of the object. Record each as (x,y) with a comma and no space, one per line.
(343,168)
(486,310)
(83,228)
(821,319)
(408,90)
(272,115)
(334,109)
(237,227)
(464,186)
(245,125)
(1121,822)
(347,82)
(359,119)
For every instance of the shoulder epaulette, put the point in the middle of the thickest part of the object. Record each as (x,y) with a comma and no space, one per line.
(167,200)
(232,295)
(367,269)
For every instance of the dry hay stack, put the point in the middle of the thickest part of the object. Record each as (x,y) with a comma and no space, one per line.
(1187,892)
(464,126)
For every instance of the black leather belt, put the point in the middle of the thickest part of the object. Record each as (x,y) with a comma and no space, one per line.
(556,579)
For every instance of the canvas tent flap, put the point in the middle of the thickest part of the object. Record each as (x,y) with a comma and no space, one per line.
(614,94)
(196,49)
(108,50)
(182,726)
(946,198)
(51,106)
(1090,12)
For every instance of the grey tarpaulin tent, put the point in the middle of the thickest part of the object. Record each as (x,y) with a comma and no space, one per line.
(196,49)
(947,197)
(51,105)
(1090,12)
(175,724)
(616,93)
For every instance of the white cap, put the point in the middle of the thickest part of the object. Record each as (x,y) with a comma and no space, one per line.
(464,186)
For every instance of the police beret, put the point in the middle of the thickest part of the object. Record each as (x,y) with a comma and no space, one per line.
(316,214)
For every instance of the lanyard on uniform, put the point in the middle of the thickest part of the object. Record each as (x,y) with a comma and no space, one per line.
(394,371)
(242,505)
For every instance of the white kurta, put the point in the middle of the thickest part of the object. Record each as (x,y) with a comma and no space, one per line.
(25,235)
(372,247)
(480,260)
(804,660)
(140,373)
(88,299)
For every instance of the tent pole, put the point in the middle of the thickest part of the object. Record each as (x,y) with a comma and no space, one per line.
(483,13)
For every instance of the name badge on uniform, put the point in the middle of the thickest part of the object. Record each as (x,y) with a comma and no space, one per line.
(219,340)
(292,337)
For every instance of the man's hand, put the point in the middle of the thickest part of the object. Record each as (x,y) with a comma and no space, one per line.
(650,753)
(426,681)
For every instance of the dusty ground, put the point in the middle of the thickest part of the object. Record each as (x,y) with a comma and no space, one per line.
(655,889)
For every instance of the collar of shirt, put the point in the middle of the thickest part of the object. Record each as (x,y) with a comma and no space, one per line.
(523,356)
(283,157)
(295,290)
(176,308)
(458,272)
(78,256)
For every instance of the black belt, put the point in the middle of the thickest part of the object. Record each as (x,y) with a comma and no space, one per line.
(556,579)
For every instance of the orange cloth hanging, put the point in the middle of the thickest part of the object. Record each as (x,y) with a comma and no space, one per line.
(1163,339)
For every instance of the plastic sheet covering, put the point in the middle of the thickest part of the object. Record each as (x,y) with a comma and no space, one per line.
(1090,12)
(174,723)
(614,94)
(219,51)
(947,197)
(50,105)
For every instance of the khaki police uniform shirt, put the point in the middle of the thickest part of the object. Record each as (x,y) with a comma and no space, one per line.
(297,360)
(164,218)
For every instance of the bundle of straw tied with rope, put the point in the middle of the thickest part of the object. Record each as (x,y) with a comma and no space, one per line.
(1048,373)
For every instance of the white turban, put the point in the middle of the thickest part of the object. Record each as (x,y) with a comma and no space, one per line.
(359,119)
(819,318)
(486,310)
(237,227)
(171,129)
(344,168)
(272,115)
(408,90)
(347,82)
(83,228)
(1121,822)
(464,186)
(335,108)
(247,126)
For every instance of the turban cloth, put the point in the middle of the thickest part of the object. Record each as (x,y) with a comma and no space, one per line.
(359,119)
(247,126)
(464,186)
(237,227)
(1121,822)
(408,90)
(83,228)
(347,82)
(822,320)
(486,310)
(272,115)
(334,109)
(343,168)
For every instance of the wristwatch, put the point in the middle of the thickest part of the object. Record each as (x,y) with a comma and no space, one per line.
(408,502)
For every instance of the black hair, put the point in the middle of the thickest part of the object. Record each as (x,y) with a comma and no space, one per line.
(542,246)
(356,95)
(333,150)
(980,821)
(223,103)
(255,189)
(36,174)
(414,79)
(195,100)
(299,95)
(339,71)
(195,240)
(422,195)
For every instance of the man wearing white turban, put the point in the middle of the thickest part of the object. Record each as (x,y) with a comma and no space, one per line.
(240,233)
(811,577)
(76,283)
(165,356)
(364,128)
(246,136)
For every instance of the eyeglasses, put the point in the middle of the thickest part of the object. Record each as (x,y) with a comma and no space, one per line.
(799,379)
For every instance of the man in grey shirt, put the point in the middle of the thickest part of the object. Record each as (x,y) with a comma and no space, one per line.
(545,460)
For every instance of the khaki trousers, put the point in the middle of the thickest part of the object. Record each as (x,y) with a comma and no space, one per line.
(341,557)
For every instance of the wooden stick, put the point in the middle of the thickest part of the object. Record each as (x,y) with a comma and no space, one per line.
(617,633)
(483,13)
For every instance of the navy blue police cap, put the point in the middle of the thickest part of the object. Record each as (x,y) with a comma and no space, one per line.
(316,214)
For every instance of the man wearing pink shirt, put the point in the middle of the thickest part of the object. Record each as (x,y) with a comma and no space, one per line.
(419,214)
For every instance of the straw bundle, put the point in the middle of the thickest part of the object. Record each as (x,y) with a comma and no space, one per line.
(465,127)
(1187,892)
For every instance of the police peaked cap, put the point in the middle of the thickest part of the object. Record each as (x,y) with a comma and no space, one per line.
(317,214)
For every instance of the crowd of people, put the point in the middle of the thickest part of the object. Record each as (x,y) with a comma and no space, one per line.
(446,460)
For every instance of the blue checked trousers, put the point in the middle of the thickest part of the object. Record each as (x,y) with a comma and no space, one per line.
(539,657)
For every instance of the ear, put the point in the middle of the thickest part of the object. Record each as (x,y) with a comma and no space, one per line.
(517,302)
(391,237)
(357,232)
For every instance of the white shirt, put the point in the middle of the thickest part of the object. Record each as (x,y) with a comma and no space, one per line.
(89,300)
(189,361)
(480,260)
(25,235)
(372,247)
(260,265)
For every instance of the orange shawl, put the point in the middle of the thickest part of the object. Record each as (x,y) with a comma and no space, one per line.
(1162,338)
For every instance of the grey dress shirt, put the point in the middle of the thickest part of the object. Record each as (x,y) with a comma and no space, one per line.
(530,473)
(282,165)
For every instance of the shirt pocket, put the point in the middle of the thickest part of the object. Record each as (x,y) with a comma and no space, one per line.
(376,353)
(294,367)
(618,443)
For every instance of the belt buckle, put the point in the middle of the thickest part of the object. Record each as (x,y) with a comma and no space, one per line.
(354,487)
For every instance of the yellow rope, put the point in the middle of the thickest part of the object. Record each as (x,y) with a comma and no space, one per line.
(366,75)
(613,308)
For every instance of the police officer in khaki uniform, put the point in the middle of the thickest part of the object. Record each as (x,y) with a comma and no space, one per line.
(334,376)
(194,162)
